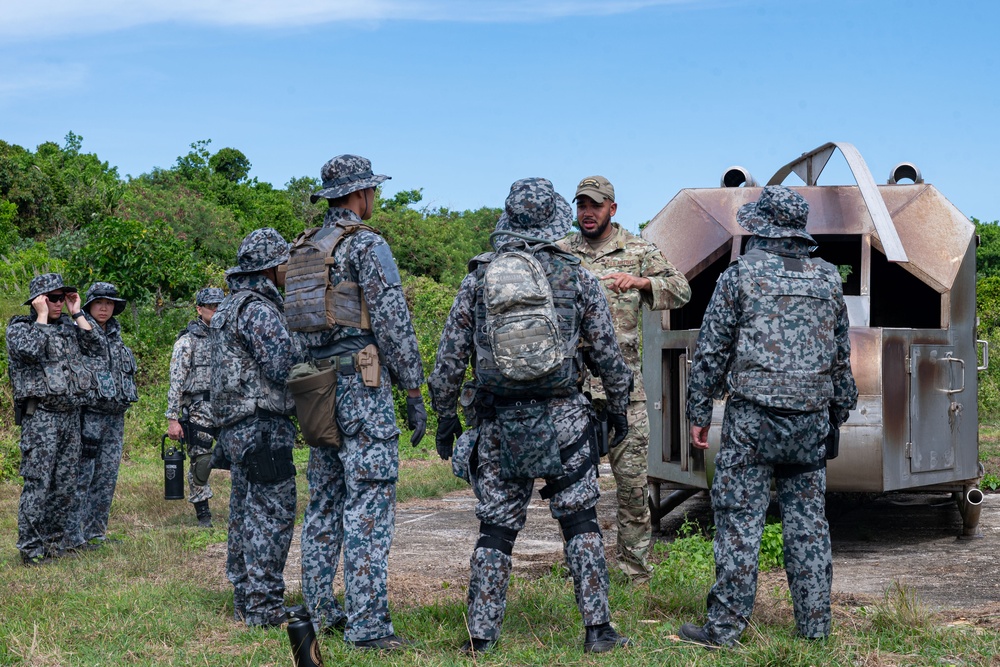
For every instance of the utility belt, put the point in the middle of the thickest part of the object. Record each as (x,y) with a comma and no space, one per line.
(486,403)
(365,363)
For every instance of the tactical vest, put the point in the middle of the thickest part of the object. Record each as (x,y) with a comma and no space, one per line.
(561,269)
(238,384)
(786,347)
(199,377)
(62,381)
(114,373)
(312,302)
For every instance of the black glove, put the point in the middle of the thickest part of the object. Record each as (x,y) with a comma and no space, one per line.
(416,418)
(449,428)
(620,425)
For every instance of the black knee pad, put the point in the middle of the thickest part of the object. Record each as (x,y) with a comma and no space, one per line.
(496,537)
(578,523)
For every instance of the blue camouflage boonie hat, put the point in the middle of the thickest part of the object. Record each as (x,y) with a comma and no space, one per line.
(107,291)
(778,213)
(345,174)
(533,207)
(45,283)
(259,251)
(209,296)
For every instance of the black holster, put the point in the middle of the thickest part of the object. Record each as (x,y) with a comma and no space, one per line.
(265,465)
(197,436)
(24,409)
(88,446)
(832,442)
(600,426)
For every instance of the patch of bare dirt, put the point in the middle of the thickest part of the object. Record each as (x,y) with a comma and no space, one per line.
(877,540)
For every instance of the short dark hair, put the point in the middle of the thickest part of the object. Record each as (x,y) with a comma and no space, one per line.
(339,201)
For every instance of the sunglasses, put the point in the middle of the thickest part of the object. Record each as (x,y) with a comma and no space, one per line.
(56,298)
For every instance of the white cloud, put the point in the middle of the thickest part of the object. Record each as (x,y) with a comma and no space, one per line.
(25,20)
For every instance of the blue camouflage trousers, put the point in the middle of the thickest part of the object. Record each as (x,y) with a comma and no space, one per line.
(261,524)
(50,454)
(504,503)
(95,489)
(740,497)
(352,510)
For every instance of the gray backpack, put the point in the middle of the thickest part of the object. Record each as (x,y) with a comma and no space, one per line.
(521,321)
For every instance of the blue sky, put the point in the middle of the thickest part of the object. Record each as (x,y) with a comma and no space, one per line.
(462,98)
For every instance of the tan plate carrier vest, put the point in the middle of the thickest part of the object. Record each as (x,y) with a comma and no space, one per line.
(311,302)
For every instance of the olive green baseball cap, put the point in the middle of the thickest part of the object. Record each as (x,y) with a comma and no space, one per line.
(597,188)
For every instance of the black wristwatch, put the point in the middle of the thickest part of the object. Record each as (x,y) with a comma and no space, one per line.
(77,314)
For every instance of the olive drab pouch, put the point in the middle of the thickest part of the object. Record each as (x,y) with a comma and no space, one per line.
(529,447)
(792,436)
(315,394)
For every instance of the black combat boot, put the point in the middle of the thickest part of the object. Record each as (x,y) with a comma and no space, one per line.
(603,638)
(474,646)
(204,514)
(697,634)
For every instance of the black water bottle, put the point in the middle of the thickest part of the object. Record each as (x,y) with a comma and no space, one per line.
(173,470)
(305,649)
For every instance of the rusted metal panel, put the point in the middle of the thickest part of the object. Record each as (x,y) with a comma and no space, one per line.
(933,377)
(859,466)
(934,232)
(693,231)
(866,360)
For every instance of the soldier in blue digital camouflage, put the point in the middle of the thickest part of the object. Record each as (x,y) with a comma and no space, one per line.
(103,420)
(775,339)
(633,272)
(367,336)
(252,353)
(50,381)
(536,427)
(189,406)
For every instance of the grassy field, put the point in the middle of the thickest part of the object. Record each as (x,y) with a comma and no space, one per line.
(156,598)
(150,600)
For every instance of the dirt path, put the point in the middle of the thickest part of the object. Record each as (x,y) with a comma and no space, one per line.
(877,540)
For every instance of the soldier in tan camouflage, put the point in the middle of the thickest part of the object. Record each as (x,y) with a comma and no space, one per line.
(633,272)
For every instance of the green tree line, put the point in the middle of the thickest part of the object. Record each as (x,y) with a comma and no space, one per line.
(163,234)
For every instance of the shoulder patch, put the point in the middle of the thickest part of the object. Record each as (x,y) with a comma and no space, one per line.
(386,265)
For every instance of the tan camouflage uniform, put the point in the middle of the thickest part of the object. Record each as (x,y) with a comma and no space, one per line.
(624,252)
